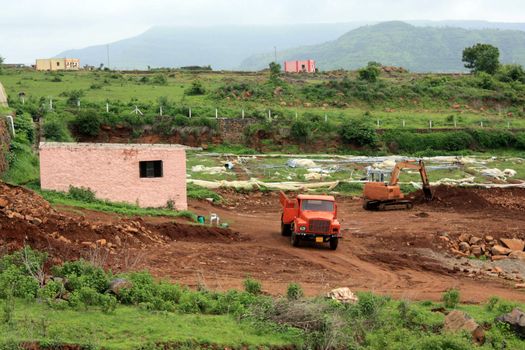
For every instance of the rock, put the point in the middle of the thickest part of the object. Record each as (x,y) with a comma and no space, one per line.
(513,244)
(499,257)
(500,250)
(101,242)
(489,238)
(474,240)
(118,241)
(476,251)
(464,237)
(3,203)
(89,244)
(517,255)
(457,321)
(464,247)
(36,221)
(516,320)
(519,286)
(343,295)
(64,239)
(118,284)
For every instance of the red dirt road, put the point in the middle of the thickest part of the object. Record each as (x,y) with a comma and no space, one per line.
(382,252)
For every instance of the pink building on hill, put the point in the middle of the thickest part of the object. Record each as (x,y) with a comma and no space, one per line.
(146,175)
(307,66)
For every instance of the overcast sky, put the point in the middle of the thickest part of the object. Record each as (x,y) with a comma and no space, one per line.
(31,29)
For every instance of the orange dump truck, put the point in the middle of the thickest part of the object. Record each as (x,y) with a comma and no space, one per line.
(312,218)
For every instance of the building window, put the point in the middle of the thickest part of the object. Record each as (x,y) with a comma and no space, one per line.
(151,168)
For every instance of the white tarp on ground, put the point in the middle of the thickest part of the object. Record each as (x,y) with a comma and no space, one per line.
(254,183)
(208,170)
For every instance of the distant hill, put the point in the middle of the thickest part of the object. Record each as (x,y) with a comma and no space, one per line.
(419,49)
(222,47)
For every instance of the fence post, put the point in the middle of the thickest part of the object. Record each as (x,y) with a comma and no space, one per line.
(296,116)
(326,118)
(378,123)
(107,107)
(50,104)
(189,112)
(269,115)
(160,110)
(404,123)
(242,114)
(430,124)
(455,123)
(481,123)
(78,103)
(216,113)
(508,125)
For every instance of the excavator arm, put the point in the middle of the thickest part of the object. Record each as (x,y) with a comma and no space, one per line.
(420,166)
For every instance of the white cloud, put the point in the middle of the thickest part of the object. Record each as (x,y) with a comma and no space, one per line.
(30,29)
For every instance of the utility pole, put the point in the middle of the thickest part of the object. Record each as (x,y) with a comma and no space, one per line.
(107,52)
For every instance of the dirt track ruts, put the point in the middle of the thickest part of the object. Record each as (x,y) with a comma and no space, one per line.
(381,252)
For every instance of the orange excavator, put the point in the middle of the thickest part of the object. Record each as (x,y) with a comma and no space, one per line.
(379,195)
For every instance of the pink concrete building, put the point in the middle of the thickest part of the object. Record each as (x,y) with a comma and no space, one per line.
(307,66)
(146,175)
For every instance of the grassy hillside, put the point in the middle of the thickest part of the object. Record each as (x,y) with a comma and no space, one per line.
(323,102)
(418,49)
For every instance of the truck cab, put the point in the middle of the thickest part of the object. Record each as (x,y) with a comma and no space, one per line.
(312,218)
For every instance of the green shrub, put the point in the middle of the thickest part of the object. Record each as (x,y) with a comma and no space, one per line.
(159,79)
(493,139)
(73,96)
(411,141)
(511,72)
(55,128)
(80,274)
(359,132)
(520,140)
(87,123)
(252,286)
(24,125)
(196,89)
(82,194)
(451,298)
(300,130)
(370,73)
(294,291)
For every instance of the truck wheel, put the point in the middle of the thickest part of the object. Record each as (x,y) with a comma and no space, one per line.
(286,229)
(333,243)
(294,240)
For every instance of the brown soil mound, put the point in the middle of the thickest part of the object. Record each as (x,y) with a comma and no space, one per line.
(195,233)
(27,219)
(465,199)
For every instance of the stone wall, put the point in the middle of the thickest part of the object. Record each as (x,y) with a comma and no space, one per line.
(232,130)
(5,140)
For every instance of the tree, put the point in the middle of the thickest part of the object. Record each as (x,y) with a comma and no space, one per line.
(275,72)
(481,58)
(1,63)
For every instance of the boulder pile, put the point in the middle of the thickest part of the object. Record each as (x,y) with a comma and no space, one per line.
(468,245)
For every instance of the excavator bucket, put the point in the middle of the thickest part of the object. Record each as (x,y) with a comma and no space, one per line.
(428,193)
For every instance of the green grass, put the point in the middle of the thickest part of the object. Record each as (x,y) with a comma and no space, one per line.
(131,328)
(125,87)
(197,192)
(59,198)
(23,164)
